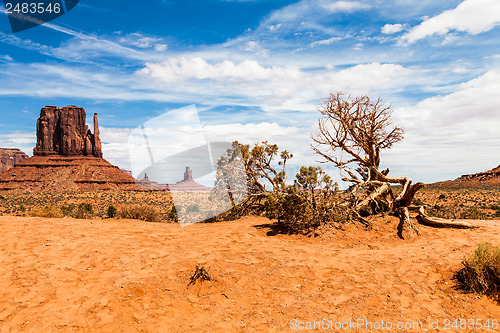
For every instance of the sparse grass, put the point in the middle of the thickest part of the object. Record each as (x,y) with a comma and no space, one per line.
(140,212)
(47,211)
(475,214)
(481,271)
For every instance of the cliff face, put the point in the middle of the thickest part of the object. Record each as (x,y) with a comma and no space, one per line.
(62,131)
(9,157)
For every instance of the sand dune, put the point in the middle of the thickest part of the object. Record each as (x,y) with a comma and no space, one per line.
(130,276)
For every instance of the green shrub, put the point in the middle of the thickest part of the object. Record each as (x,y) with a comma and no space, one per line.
(474,213)
(300,213)
(84,211)
(172,215)
(192,208)
(308,204)
(112,211)
(68,210)
(47,211)
(481,271)
(140,212)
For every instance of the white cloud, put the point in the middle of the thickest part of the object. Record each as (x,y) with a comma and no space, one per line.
(25,141)
(472,16)
(390,29)
(6,57)
(161,47)
(325,41)
(175,69)
(452,134)
(273,27)
(143,42)
(272,88)
(346,6)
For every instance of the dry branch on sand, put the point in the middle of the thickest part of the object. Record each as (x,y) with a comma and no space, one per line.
(362,128)
(201,274)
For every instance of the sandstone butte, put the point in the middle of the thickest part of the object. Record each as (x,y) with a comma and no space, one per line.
(187,184)
(67,157)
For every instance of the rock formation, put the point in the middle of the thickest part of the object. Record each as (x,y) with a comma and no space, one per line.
(493,174)
(187,184)
(65,173)
(68,157)
(63,131)
(147,184)
(490,178)
(9,157)
(188,174)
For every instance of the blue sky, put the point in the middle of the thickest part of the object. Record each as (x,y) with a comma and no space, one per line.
(258,70)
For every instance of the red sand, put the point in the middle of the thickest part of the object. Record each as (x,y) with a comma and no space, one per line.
(130,276)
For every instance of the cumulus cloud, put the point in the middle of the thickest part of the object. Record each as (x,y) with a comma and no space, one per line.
(390,29)
(471,16)
(273,87)
(346,6)
(175,69)
(455,133)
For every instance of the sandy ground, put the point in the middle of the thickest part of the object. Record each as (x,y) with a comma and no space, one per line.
(131,276)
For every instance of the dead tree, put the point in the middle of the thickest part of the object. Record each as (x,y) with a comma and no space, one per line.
(361,129)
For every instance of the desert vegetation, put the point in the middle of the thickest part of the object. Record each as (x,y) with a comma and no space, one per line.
(461,203)
(252,180)
(140,212)
(148,206)
(352,133)
(481,271)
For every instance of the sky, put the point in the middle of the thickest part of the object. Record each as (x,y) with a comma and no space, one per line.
(258,70)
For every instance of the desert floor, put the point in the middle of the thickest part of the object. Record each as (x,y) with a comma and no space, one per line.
(128,276)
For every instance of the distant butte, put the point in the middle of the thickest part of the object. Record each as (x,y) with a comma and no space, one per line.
(10,157)
(187,184)
(67,157)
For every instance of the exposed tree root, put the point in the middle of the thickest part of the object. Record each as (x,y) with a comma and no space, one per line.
(406,227)
(436,222)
